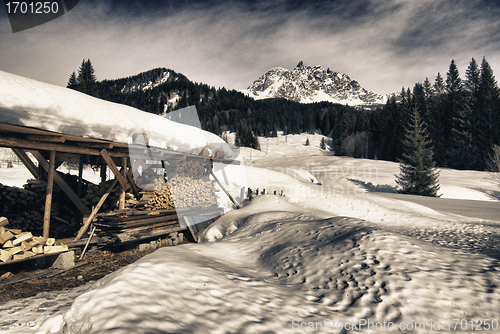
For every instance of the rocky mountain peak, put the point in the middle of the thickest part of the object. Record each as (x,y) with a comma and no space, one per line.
(307,84)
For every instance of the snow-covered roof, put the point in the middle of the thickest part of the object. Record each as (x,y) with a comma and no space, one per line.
(31,103)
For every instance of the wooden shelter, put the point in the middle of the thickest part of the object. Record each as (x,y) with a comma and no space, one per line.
(51,149)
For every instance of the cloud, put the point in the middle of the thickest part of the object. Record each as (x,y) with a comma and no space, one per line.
(383,44)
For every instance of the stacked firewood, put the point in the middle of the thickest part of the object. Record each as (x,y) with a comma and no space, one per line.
(18,245)
(189,187)
(95,192)
(191,192)
(25,209)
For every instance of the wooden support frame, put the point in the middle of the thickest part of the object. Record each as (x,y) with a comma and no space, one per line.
(26,162)
(130,178)
(105,155)
(59,147)
(63,185)
(121,204)
(48,197)
(89,219)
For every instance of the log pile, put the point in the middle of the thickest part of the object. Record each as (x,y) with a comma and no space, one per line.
(18,245)
(25,209)
(189,192)
(95,192)
(189,187)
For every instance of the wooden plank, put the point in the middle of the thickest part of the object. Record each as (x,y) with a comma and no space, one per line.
(86,225)
(138,228)
(48,197)
(105,155)
(4,221)
(139,222)
(121,203)
(26,162)
(145,234)
(131,181)
(37,145)
(52,139)
(63,185)
(97,145)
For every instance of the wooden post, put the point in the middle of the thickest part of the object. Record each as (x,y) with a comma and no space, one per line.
(121,204)
(26,161)
(105,155)
(87,222)
(103,172)
(63,185)
(48,197)
(80,176)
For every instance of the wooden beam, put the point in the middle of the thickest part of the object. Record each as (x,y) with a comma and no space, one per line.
(131,181)
(52,139)
(87,223)
(27,162)
(63,185)
(80,176)
(97,145)
(121,204)
(105,155)
(48,197)
(224,189)
(37,145)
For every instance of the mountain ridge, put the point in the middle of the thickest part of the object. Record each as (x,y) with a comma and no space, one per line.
(308,84)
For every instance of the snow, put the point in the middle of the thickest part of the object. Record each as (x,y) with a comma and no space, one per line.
(31,103)
(329,250)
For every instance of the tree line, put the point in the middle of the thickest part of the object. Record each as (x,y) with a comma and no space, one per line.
(462,117)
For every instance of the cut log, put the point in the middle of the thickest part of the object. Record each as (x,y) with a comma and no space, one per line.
(22,237)
(5,255)
(2,230)
(29,245)
(4,221)
(15,231)
(15,250)
(37,249)
(7,275)
(6,237)
(22,256)
(8,244)
(50,241)
(55,249)
(41,240)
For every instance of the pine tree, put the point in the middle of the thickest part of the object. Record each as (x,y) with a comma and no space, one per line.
(86,80)
(418,175)
(464,150)
(439,84)
(72,83)
(489,117)
(307,142)
(322,145)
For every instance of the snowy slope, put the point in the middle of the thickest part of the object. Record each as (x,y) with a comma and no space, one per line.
(35,104)
(323,253)
(307,84)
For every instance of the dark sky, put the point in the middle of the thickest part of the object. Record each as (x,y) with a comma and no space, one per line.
(384,44)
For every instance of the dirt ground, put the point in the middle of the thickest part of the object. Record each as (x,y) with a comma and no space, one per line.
(95,265)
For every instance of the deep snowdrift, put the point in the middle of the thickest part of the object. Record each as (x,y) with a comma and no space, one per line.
(284,266)
(31,103)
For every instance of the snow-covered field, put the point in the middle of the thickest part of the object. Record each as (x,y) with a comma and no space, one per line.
(321,256)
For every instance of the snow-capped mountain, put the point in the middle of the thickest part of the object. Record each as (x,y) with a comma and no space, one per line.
(145,80)
(307,84)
